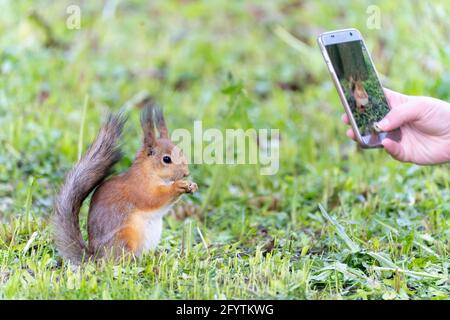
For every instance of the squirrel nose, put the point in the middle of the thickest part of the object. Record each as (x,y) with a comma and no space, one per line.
(186,173)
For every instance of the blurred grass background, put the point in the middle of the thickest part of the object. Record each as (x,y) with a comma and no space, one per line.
(263,236)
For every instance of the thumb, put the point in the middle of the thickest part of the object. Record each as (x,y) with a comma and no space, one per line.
(400,115)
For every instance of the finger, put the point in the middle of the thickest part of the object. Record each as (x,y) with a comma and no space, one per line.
(345,119)
(394,98)
(394,148)
(351,134)
(400,115)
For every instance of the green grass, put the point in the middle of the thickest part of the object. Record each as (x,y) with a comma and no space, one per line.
(384,230)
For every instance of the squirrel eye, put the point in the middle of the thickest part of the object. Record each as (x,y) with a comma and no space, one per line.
(167,159)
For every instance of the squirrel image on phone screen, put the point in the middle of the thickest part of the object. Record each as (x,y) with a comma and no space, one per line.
(359,94)
(357,84)
(126,211)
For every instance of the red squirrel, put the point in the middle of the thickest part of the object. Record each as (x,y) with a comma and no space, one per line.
(359,93)
(126,211)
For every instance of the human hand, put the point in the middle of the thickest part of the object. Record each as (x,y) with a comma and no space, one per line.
(425,126)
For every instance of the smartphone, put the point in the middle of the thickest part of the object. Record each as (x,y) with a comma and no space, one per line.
(358,85)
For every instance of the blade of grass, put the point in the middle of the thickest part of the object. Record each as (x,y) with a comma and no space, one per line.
(412,273)
(203,239)
(29,242)
(29,202)
(384,261)
(417,243)
(340,231)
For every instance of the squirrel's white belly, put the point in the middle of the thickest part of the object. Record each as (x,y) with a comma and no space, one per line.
(153,228)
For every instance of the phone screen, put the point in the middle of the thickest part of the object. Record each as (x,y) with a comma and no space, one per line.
(359,82)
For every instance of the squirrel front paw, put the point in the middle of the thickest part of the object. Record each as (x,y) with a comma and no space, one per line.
(183,186)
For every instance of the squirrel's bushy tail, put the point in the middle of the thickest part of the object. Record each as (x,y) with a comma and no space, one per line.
(87,174)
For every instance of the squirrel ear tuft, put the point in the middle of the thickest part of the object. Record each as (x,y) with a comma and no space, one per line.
(161,123)
(148,125)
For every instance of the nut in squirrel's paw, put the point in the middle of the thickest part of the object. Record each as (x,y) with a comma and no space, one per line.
(184,186)
(193,187)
